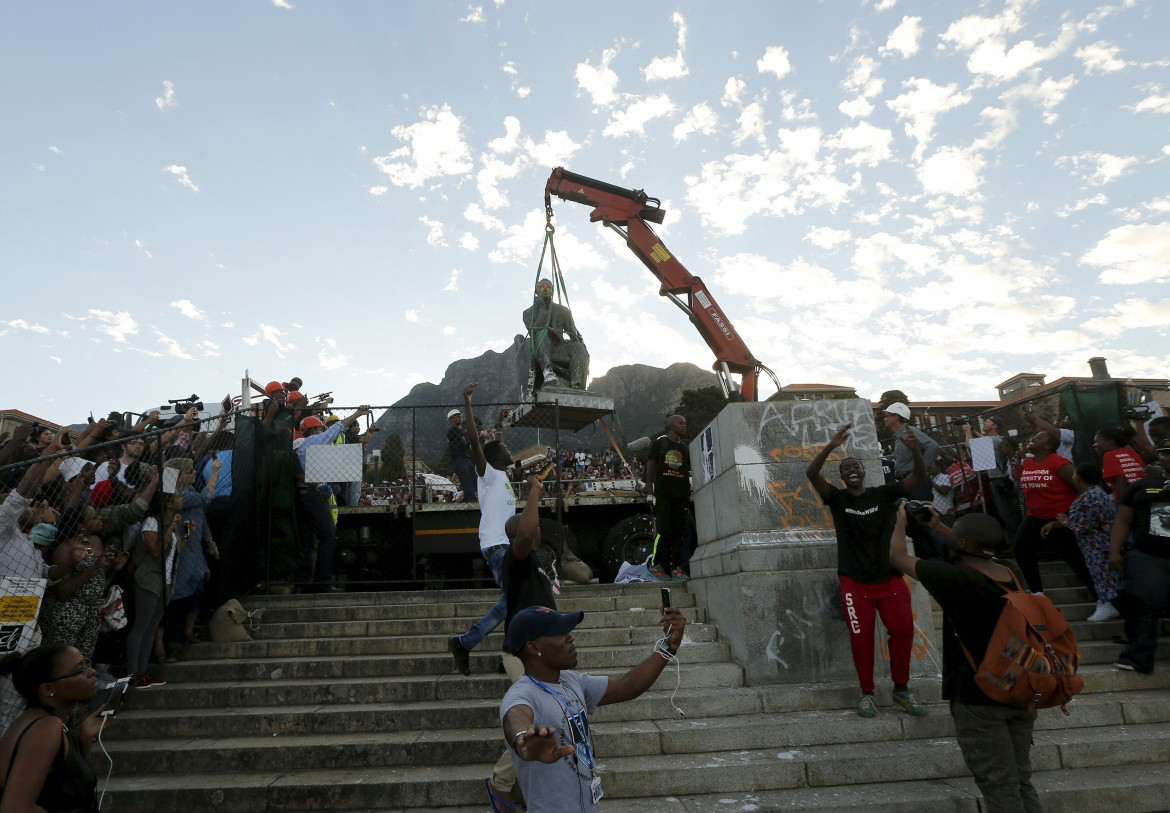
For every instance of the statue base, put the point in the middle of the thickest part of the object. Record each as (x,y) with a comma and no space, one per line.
(570,409)
(765,565)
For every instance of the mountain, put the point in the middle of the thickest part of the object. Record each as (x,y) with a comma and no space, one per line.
(643,397)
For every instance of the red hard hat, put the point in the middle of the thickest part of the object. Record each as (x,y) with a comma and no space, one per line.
(273,386)
(311,422)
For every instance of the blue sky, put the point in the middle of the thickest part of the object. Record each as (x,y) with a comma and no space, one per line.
(880,193)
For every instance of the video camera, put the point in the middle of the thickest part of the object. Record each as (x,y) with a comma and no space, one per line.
(177,407)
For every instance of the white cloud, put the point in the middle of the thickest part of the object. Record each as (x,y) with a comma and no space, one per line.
(378,191)
(905,38)
(188,309)
(518,246)
(174,349)
(884,5)
(861,80)
(209,348)
(434,232)
(985,39)
(1160,205)
(754,275)
(331,360)
(20,324)
(951,171)
(284,4)
(510,140)
(1155,102)
(167,100)
(412,316)
(115,325)
(700,119)
(474,15)
(870,145)
(920,105)
(489,176)
(1100,168)
(53,148)
(600,82)
(449,330)
(826,237)
(751,125)
(1132,255)
(633,120)
(141,246)
(1096,200)
(1100,57)
(775,61)
(474,213)
(453,281)
(557,149)
(674,66)
(468,241)
(1130,314)
(733,91)
(271,335)
(180,172)
(435,148)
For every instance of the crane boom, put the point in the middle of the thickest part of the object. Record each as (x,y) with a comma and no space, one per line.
(629,212)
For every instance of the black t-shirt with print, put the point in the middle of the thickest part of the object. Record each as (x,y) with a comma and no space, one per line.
(1150,500)
(864,524)
(671,477)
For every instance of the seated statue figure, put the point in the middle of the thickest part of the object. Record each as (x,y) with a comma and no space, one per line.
(558,351)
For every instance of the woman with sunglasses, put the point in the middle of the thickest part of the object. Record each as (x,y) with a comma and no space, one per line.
(44,764)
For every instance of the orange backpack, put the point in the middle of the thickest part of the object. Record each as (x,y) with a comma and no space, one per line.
(1031,660)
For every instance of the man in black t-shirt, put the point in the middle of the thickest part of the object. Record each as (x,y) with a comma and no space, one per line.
(996,740)
(528,582)
(668,481)
(1144,511)
(863,519)
(461,462)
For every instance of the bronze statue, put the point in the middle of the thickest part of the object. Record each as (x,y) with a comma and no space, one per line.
(557,347)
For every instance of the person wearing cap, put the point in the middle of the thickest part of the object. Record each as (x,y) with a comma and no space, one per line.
(545,715)
(1144,512)
(460,460)
(497,503)
(897,419)
(995,740)
(863,519)
(313,515)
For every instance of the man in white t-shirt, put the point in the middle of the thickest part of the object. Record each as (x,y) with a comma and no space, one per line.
(131,452)
(497,502)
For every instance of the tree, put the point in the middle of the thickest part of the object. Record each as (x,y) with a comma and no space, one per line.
(393,452)
(700,407)
(892,397)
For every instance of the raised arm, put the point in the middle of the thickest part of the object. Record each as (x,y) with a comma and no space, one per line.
(813,472)
(473,435)
(527,539)
(900,556)
(636,681)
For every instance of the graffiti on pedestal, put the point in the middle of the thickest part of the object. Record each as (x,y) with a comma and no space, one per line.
(796,624)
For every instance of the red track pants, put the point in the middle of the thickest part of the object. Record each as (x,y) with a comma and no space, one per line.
(891,600)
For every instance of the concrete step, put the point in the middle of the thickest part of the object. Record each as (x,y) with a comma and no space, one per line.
(645,594)
(350,646)
(408,740)
(635,617)
(828,766)
(280,691)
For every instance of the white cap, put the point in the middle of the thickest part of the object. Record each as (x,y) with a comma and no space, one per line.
(452,414)
(71,467)
(899,409)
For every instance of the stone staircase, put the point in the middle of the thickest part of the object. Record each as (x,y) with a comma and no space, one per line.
(348,703)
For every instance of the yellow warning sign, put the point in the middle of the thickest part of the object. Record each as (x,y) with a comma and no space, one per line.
(659,253)
(18,609)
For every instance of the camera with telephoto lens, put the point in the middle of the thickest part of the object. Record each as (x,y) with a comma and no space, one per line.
(917,511)
(1137,412)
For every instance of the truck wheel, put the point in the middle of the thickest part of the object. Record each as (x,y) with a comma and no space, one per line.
(631,540)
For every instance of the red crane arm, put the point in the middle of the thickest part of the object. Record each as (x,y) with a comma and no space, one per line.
(630,209)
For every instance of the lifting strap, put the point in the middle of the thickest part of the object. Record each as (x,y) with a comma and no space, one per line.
(538,333)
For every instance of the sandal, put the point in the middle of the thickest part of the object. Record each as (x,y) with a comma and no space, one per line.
(499,803)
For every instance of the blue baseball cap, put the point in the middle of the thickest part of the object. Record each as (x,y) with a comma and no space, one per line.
(537,622)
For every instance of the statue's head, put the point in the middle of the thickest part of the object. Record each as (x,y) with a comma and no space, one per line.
(544,289)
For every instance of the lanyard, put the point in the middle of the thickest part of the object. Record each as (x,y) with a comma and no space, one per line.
(577,720)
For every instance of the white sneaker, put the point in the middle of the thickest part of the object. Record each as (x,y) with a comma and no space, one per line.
(1105,612)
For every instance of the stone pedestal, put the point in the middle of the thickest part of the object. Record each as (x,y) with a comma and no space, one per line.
(765,564)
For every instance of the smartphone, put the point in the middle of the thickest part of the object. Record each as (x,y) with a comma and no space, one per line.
(226,405)
(665,591)
(114,698)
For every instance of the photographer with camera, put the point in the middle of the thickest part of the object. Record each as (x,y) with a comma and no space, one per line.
(863,519)
(995,740)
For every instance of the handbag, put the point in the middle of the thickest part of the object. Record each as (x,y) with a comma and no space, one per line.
(113,611)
